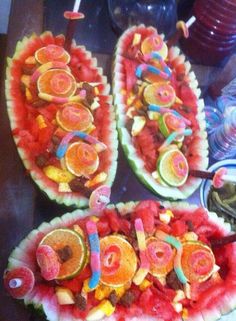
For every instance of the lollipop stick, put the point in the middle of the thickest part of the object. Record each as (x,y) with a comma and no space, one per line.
(72,17)
(70,31)
(224,240)
(201,174)
(182,30)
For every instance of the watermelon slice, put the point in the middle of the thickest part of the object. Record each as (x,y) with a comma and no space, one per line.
(49,91)
(166,82)
(158,296)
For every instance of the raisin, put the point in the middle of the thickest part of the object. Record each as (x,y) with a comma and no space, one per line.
(127,299)
(173,282)
(190,225)
(28,69)
(113,298)
(39,103)
(135,89)
(56,140)
(80,302)
(41,160)
(77,185)
(65,253)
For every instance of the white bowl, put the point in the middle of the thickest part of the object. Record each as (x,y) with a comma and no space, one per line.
(230,164)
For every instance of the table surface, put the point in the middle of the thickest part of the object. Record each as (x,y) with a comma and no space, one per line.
(22,205)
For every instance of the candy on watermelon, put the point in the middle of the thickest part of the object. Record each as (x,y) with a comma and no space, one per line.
(149,78)
(210,292)
(48,91)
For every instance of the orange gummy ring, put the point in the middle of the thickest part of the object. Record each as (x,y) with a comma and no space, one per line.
(118,261)
(57,82)
(81,159)
(52,53)
(74,116)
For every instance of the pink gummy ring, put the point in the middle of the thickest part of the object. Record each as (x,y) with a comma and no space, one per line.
(70,15)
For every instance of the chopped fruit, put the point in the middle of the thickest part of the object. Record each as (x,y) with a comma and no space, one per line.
(154,44)
(25,79)
(48,262)
(98,179)
(145,284)
(57,175)
(173,167)
(41,122)
(105,308)
(160,94)
(81,159)
(64,296)
(161,257)
(52,53)
(30,60)
(60,238)
(57,82)
(180,295)
(190,236)
(64,188)
(197,261)
(74,116)
(100,197)
(102,292)
(177,306)
(166,216)
(78,230)
(19,281)
(118,261)
(138,124)
(136,40)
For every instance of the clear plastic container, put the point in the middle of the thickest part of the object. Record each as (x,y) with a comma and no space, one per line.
(222,141)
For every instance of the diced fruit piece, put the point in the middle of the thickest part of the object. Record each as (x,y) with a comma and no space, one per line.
(197,261)
(118,266)
(58,175)
(100,197)
(161,256)
(105,308)
(64,296)
(57,82)
(154,43)
(52,53)
(169,123)
(81,159)
(160,94)
(19,281)
(173,167)
(63,238)
(48,262)
(74,116)
(98,179)
(138,124)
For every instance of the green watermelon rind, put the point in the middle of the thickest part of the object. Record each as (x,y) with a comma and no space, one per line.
(68,199)
(135,162)
(123,208)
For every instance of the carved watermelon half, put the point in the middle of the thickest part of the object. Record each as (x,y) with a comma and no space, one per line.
(209,300)
(23,114)
(141,150)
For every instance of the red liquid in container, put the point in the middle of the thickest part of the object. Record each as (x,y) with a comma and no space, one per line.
(213,35)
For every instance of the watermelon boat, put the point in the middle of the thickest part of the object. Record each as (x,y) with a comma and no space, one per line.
(62,118)
(158,260)
(160,118)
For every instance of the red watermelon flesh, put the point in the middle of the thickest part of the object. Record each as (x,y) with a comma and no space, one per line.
(210,298)
(149,138)
(33,141)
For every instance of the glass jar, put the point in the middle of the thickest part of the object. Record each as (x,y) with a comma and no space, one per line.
(213,35)
(160,14)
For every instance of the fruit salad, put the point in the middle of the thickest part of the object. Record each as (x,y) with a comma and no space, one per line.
(148,258)
(61,117)
(159,113)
